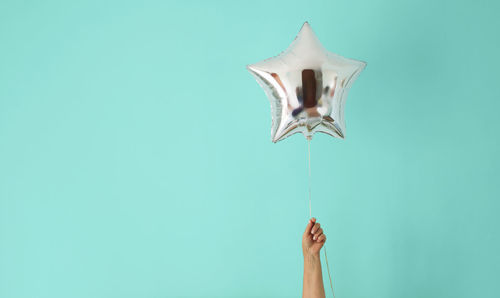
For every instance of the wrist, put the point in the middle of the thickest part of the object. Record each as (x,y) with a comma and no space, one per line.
(311,256)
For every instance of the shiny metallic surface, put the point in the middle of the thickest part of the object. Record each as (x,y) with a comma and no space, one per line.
(307,87)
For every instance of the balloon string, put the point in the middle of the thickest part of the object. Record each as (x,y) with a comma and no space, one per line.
(328,270)
(310,211)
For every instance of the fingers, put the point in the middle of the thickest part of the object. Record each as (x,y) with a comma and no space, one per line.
(317,234)
(315,228)
(309,226)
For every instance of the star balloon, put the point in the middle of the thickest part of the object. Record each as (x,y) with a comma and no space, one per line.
(307,87)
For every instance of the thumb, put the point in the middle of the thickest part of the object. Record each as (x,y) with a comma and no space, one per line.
(309,226)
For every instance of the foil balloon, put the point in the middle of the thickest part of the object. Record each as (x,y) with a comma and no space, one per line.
(307,87)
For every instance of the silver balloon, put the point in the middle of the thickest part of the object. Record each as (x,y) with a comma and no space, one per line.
(307,87)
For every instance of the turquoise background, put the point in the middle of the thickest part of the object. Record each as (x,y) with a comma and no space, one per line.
(136,161)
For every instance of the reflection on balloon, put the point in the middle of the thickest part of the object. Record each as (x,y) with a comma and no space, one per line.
(307,87)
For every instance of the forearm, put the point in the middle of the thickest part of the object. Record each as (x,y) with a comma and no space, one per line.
(313,278)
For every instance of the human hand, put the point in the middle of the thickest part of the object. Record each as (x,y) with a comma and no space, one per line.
(313,238)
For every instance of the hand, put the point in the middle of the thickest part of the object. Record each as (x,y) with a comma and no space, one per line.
(313,238)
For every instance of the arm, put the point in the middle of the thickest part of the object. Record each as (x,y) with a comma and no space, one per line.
(312,242)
